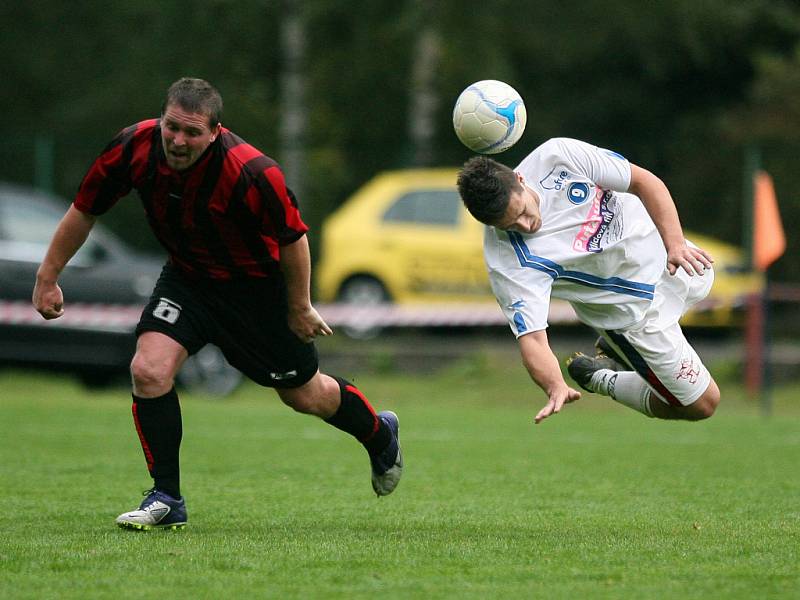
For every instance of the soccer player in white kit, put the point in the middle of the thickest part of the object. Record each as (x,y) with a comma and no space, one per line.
(581,223)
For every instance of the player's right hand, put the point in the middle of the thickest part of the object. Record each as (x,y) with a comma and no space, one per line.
(559,396)
(48,299)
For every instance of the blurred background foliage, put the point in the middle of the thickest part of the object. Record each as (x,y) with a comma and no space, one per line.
(337,91)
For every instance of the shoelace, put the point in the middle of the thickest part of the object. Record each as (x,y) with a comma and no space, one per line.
(147,493)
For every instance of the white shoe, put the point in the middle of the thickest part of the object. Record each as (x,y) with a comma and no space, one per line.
(157,511)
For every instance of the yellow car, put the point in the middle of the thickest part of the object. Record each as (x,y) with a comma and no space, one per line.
(405,238)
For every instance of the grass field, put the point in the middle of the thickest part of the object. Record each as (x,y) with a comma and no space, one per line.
(597,502)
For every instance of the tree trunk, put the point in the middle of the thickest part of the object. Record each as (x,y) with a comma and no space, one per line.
(424,94)
(294,111)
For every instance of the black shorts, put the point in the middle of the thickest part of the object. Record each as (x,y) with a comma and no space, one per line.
(246,319)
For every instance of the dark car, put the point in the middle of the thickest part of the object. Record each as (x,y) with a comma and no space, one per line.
(105,285)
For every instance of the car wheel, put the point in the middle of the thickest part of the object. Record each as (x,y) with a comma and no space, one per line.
(207,372)
(363,291)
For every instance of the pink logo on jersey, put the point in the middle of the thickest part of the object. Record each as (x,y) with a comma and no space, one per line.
(688,371)
(594,227)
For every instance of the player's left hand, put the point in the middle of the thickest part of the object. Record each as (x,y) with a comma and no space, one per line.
(306,323)
(695,261)
(558,397)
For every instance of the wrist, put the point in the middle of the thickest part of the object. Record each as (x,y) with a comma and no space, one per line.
(46,275)
(299,305)
(674,242)
(554,385)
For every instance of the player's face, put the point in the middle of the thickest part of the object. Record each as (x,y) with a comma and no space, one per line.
(185,136)
(522,214)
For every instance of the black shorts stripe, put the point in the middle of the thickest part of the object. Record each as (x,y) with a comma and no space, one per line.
(638,362)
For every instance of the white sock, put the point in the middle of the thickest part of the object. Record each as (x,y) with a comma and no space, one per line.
(602,381)
(626,387)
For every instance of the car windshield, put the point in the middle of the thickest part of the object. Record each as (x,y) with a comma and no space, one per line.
(26,227)
(425,207)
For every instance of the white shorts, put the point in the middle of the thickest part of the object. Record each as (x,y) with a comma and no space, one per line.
(656,348)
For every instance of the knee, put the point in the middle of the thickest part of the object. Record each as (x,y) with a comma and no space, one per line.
(320,396)
(298,401)
(706,405)
(702,411)
(151,376)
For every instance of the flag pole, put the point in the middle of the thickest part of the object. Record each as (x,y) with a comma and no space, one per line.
(754,328)
(769,244)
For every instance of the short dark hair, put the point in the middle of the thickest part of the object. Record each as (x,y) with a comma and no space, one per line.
(197,96)
(485,186)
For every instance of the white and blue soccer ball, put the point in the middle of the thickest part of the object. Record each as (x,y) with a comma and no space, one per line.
(489,117)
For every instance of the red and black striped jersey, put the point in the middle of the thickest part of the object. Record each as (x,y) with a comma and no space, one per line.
(223,218)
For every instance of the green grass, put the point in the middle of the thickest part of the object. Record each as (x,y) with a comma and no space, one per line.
(596,502)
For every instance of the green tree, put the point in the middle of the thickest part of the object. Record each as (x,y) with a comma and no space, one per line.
(680,87)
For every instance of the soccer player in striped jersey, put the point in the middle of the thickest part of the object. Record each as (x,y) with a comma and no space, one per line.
(581,223)
(237,275)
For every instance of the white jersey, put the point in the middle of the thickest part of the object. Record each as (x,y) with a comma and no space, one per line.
(597,247)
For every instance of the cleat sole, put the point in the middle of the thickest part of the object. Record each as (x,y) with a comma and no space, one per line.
(140,527)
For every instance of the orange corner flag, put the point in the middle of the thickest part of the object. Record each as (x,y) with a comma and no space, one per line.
(769,241)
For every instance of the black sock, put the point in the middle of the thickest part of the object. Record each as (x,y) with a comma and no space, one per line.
(158,423)
(357,417)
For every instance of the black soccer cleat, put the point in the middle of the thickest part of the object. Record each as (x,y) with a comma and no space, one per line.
(603,348)
(581,368)
(387,467)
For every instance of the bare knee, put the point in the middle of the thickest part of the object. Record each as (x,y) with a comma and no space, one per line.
(298,401)
(151,376)
(155,364)
(320,396)
(706,405)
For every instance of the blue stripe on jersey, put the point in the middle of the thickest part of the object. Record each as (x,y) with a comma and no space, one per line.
(556,271)
(519,322)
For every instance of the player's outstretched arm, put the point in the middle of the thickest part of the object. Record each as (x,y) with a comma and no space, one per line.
(70,235)
(543,367)
(304,320)
(659,204)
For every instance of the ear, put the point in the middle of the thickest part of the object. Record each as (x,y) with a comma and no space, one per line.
(215,131)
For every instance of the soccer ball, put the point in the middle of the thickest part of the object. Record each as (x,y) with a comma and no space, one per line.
(489,116)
